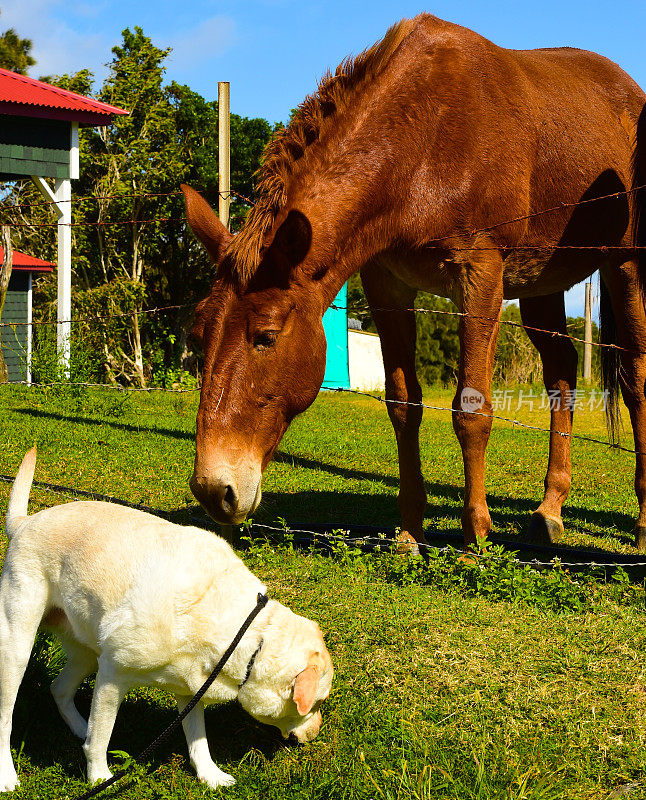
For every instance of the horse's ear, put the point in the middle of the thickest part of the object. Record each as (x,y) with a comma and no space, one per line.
(205,224)
(293,238)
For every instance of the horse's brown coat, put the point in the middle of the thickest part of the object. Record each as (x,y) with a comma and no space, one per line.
(403,165)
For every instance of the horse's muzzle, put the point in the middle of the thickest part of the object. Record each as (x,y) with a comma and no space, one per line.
(225,499)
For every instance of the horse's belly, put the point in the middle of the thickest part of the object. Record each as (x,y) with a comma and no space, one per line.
(424,271)
(530,274)
(526,273)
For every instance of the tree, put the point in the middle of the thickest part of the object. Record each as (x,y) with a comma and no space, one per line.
(132,171)
(517,360)
(15,53)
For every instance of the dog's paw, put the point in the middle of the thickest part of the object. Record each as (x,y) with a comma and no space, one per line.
(9,781)
(215,778)
(98,774)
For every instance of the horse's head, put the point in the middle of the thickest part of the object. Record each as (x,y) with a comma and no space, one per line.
(264,361)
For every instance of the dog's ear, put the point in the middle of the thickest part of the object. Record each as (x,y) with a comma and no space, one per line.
(307,683)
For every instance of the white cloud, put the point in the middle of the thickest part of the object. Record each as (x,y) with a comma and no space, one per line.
(57,47)
(201,44)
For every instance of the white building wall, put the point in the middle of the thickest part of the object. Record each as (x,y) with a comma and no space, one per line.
(365,362)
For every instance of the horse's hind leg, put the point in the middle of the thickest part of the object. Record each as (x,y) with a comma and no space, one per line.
(559,358)
(397,332)
(630,319)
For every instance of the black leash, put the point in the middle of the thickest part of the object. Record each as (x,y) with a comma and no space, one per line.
(262,602)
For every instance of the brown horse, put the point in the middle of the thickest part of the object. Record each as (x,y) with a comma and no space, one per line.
(405,164)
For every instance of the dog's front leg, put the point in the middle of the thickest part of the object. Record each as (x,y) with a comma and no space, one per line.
(109,691)
(198,747)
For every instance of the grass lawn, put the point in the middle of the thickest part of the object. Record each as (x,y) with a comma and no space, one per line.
(437,694)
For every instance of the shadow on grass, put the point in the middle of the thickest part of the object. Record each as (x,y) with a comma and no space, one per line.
(345,509)
(371,509)
(90,421)
(43,737)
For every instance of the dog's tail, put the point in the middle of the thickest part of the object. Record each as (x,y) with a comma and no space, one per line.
(19,498)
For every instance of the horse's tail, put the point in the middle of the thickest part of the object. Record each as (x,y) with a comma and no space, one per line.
(610,363)
(19,498)
(610,357)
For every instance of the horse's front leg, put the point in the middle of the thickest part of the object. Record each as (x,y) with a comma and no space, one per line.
(559,358)
(397,332)
(481,303)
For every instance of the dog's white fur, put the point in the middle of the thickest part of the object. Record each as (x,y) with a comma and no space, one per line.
(142,601)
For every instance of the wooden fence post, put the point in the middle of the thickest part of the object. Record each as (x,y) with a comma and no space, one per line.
(224,159)
(587,347)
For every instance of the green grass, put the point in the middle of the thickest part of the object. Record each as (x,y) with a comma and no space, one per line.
(438,693)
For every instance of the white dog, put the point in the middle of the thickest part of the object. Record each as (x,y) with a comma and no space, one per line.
(142,601)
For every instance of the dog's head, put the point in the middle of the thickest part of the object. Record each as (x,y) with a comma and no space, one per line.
(291,678)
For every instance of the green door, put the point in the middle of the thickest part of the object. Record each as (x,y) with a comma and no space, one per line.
(14,340)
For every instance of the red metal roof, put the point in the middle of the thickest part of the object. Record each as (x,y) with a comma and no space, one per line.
(24,263)
(28,97)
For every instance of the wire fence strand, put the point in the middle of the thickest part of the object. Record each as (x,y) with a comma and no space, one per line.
(335,539)
(339,390)
(138,195)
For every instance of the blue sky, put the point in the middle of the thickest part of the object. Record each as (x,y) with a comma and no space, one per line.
(273,51)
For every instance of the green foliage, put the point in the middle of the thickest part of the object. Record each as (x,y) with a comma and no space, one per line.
(438,345)
(46,363)
(98,337)
(517,360)
(170,136)
(491,572)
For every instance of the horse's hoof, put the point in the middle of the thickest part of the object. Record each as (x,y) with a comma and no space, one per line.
(640,538)
(406,545)
(545,530)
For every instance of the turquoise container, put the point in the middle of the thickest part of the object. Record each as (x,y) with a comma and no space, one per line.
(335,324)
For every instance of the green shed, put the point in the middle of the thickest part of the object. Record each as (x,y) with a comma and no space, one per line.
(16,331)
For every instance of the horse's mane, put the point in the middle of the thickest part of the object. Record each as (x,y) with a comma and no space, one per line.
(288,145)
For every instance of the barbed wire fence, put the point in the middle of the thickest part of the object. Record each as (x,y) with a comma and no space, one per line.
(126,390)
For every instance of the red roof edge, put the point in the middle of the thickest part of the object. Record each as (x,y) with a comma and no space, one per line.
(19,268)
(23,262)
(41,112)
(24,96)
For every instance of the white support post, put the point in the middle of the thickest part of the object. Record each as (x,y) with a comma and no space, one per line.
(61,200)
(63,192)
(74,151)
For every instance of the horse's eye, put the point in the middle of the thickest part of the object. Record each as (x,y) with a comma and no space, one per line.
(265,339)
